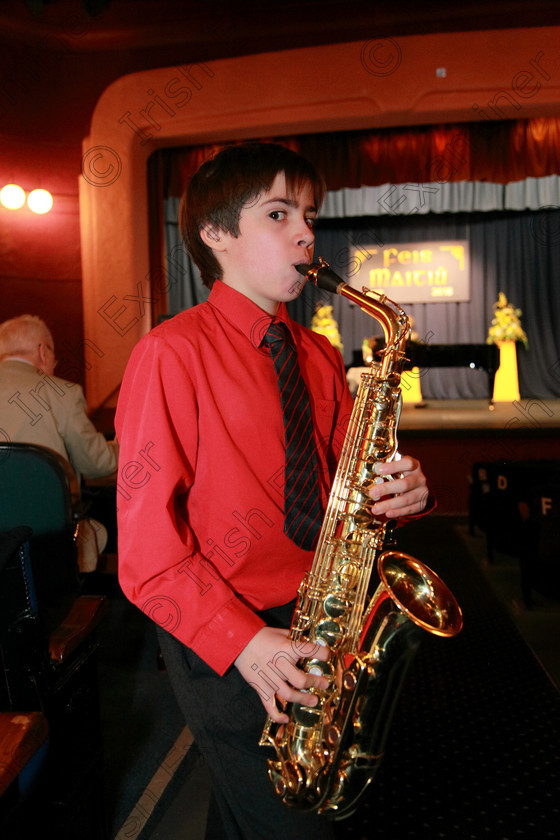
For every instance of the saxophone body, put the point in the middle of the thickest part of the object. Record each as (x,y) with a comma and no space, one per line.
(369,604)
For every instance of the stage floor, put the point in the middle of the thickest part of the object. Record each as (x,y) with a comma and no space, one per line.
(526,416)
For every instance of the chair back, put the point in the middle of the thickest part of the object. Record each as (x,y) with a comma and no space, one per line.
(499,496)
(34,489)
(35,493)
(544,524)
(22,653)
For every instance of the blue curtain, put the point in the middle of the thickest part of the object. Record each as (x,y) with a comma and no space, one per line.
(516,253)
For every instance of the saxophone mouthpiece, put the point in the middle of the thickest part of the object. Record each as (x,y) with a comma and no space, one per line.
(323,276)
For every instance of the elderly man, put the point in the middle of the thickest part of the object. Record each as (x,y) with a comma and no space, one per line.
(38,407)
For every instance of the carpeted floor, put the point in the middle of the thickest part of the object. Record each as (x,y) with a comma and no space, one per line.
(475,749)
(140,719)
(475,746)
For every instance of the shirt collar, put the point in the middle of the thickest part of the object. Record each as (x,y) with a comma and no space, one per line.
(240,311)
(17,359)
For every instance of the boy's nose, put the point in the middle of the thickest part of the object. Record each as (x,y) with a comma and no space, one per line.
(305,235)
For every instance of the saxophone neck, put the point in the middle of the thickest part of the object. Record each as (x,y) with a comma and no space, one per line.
(393,319)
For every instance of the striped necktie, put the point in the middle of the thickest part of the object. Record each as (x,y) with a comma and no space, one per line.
(302,506)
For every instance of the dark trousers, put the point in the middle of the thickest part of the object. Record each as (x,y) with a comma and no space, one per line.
(102,505)
(226,718)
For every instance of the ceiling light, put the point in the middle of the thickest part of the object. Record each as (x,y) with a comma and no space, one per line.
(12,197)
(40,201)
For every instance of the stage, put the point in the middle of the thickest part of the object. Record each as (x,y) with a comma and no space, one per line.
(525,416)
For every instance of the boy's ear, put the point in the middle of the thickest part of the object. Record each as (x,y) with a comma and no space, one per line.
(212,237)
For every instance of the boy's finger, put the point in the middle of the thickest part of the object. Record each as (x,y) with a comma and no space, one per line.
(274,712)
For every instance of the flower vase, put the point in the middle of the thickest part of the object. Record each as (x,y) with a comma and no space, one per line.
(410,386)
(506,385)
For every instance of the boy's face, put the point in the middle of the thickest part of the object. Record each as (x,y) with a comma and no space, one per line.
(275,235)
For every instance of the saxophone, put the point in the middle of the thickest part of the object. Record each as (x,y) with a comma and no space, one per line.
(327,755)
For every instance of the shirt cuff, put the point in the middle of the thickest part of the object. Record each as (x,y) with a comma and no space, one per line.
(429,507)
(221,641)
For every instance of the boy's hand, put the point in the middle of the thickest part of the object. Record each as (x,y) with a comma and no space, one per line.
(402,496)
(269,664)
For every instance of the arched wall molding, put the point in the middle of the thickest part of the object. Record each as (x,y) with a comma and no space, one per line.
(364,84)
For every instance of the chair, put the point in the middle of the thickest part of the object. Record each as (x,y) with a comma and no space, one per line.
(503,504)
(47,635)
(540,563)
(494,505)
(23,753)
(479,498)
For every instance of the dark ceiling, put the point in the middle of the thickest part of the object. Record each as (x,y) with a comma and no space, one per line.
(57,56)
(217,28)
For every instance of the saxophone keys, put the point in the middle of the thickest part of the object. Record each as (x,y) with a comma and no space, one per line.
(335,606)
(306,716)
(333,736)
(319,668)
(286,778)
(349,681)
(280,785)
(348,575)
(330,631)
(362,517)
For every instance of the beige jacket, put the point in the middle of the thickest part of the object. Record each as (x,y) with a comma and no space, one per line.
(48,411)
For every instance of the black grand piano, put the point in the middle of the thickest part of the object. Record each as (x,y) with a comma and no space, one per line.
(483,356)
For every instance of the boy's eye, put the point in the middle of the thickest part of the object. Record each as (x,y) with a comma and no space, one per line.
(277,215)
(311,221)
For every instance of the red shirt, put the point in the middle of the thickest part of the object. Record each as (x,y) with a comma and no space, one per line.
(201,471)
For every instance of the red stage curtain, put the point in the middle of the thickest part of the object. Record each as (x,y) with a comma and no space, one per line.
(497,152)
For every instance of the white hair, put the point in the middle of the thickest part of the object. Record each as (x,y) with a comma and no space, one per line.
(22,335)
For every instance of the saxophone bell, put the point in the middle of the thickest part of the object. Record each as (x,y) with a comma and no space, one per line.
(420,594)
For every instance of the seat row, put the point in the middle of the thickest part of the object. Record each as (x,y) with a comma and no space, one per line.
(51,767)
(517,506)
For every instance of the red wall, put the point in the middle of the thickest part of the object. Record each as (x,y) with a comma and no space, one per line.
(40,257)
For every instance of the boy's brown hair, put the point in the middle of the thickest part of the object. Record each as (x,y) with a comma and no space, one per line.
(232,180)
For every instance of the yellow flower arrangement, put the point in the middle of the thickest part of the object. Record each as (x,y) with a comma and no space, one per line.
(506,325)
(324,323)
